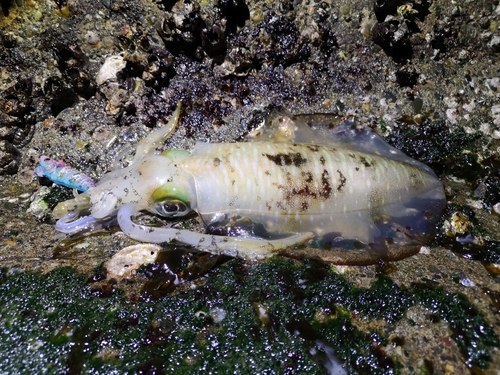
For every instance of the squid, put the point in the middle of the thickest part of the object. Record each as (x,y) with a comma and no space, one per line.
(295,188)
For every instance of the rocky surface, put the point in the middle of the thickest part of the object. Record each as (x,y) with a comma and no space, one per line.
(424,74)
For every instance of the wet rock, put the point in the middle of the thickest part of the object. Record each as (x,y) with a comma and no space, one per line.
(8,41)
(494,43)
(137,60)
(17,120)
(398,27)
(393,37)
(26,176)
(284,46)
(407,9)
(407,76)
(493,83)
(237,63)
(5,5)
(181,29)
(489,190)
(195,30)
(145,57)
(160,67)
(8,123)
(235,12)
(59,95)
(73,64)
(39,207)
(9,158)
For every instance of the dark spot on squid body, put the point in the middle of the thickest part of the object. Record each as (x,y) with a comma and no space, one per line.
(326,191)
(415,181)
(308,177)
(343,180)
(280,205)
(285,159)
(365,162)
(304,191)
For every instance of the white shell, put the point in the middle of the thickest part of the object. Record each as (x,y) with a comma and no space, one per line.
(112,65)
(127,260)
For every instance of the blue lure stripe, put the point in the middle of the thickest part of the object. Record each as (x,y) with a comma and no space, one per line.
(61,174)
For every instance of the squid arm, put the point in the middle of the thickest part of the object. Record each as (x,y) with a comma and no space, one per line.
(157,137)
(233,246)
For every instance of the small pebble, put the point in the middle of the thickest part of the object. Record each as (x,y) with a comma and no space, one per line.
(92,38)
(345,10)
(102,133)
(495,43)
(218,314)
(496,209)
(452,115)
(37,15)
(26,176)
(108,42)
(465,281)
(493,83)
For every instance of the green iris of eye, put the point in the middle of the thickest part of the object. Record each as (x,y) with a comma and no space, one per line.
(170,192)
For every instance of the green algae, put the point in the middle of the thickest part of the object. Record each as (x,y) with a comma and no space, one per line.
(472,335)
(57,194)
(280,317)
(441,148)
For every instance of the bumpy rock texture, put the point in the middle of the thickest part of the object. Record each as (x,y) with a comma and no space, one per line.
(423,73)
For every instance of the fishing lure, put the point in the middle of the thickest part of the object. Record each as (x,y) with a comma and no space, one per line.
(341,195)
(62,174)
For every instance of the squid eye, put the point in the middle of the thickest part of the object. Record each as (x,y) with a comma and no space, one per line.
(171,208)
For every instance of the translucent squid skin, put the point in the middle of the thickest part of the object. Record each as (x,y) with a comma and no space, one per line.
(359,199)
(292,187)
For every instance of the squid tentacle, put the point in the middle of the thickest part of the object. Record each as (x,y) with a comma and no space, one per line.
(83,224)
(66,224)
(233,246)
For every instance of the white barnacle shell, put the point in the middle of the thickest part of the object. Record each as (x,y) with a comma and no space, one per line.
(112,65)
(127,260)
